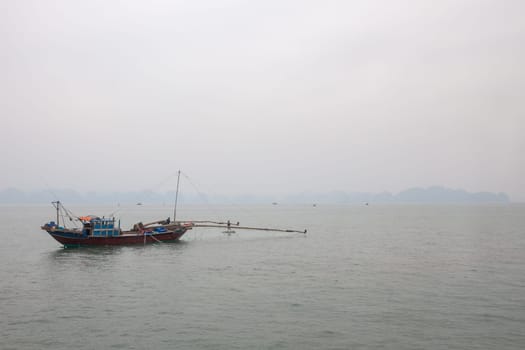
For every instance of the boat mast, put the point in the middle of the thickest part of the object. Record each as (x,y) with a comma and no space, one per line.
(176,197)
(57,206)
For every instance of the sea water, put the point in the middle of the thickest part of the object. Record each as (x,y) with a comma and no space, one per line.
(363,277)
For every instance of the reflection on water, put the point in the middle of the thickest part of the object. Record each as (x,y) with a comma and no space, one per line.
(109,251)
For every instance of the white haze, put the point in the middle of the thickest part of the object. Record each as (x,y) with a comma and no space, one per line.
(263,96)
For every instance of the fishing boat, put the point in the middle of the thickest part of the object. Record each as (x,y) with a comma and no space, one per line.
(100,231)
(96,231)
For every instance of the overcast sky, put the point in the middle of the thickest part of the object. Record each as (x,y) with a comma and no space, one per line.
(263,97)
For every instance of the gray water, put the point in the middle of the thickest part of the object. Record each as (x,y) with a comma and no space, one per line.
(364,277)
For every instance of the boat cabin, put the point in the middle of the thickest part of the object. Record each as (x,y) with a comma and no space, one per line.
(99,227)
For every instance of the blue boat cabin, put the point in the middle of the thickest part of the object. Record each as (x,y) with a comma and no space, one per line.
(101,227)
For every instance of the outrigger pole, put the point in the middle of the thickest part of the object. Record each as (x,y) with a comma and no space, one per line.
(247,227)
(268,229)
(228,224)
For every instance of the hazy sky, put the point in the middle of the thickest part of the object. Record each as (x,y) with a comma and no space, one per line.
(263,96)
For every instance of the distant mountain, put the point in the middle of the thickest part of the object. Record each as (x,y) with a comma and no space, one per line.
(435,194)
(439,194)
(12,195)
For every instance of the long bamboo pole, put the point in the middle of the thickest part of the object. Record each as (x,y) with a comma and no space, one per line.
(251,228)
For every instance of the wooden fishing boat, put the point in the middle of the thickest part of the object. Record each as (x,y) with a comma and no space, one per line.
(97,231)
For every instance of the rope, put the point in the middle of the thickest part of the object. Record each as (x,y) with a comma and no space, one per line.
(148,192)
(210,207)
(156,239)
(201,195)
(236,207)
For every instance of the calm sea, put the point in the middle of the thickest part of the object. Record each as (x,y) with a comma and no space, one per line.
(363,277)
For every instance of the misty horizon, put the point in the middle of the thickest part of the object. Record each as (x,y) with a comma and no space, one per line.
(270,97)
(433,194)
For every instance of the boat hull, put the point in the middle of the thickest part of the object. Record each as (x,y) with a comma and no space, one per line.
(73,239)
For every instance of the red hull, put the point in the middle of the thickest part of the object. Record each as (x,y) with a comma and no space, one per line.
(126,239)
